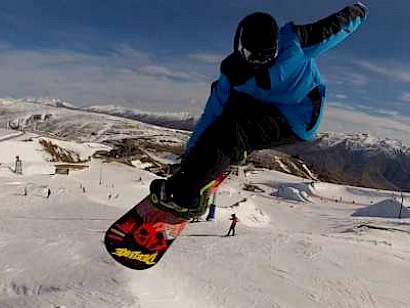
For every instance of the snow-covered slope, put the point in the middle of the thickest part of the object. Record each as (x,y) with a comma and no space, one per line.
(321,251)
(48,119)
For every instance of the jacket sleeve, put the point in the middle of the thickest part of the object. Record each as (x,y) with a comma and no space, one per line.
(220,91)
(320,36)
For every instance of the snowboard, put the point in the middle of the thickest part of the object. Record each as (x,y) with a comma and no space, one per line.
(140,238)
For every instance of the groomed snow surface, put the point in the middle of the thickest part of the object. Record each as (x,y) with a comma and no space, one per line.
(298,244)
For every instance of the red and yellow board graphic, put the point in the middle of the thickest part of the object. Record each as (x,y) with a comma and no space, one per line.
(140,238)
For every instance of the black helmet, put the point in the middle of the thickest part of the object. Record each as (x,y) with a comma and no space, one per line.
(256,38)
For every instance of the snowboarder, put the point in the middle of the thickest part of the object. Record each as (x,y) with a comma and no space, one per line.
(269,93)
(233,225)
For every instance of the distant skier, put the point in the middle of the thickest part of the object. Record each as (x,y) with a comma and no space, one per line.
(269,93)
(233,225)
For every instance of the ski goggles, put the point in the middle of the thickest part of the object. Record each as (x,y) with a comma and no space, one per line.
(260,57)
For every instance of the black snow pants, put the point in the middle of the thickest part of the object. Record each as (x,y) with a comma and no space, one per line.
(231,229)
(245,125)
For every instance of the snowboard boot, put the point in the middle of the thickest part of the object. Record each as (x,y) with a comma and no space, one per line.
(164,199)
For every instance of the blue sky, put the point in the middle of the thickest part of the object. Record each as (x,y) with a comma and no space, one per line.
(162,55)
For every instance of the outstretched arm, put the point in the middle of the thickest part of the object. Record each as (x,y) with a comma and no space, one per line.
(326,33)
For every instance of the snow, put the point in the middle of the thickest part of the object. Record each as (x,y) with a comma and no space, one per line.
(388,208)
(72,124)
(139,164)
(7,134)
(363,141)
(164,158)
(127,112)
(307,170)
(83,149)
(310,252)
(282,165)
(30,152)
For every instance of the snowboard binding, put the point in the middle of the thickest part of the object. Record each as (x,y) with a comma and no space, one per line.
(161,199)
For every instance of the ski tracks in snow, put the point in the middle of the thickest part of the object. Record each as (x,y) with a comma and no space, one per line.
(301,266)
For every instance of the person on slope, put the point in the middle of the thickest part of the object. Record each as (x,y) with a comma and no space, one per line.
(233,225)
(269,93)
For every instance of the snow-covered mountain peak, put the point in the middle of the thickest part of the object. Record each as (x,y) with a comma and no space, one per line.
(177,120)
(362,141)
(128,112)
(45,101)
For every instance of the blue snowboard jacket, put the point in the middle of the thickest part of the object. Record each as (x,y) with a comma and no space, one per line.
(290,79)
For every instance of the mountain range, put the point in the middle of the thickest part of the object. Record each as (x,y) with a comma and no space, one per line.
(344,158)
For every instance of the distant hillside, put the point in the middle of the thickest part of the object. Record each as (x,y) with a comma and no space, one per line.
(356,159)
(182,121)
(350,159)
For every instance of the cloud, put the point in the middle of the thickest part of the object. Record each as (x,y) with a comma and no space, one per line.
(124,76)
(394,71)
(341,96)
(369,86)
(392,125)
(206,58)
(346,75)
(163,72)
(405,97)
(342,106)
